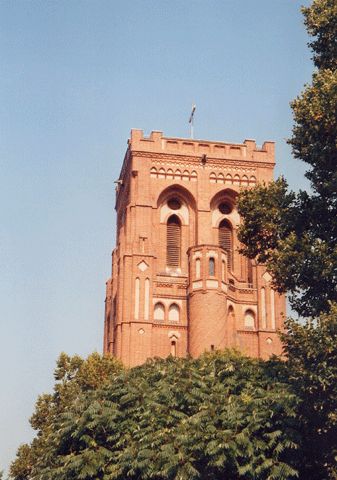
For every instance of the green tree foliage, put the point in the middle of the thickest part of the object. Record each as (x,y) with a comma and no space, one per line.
(295,235)
(220,416)
(321,22)
(311,366)
(73,376)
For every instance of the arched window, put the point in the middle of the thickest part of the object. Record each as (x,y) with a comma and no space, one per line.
(249,320)
(159,312)
(211,264)
(173,241)
(226,241)
(173,348)
(174,313)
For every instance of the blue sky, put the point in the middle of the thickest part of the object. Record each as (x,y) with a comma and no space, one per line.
(75,78)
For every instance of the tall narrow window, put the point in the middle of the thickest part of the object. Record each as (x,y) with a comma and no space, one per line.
(249,271)
(173,241)
(226,241)
(147,299)
(197,268)
(173,348)
(263,308)
(272,309)
(211,264)
(137,291)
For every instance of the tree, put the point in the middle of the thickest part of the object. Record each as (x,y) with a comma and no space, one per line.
(311,351)
(73,376)
(220,416)
(295,234)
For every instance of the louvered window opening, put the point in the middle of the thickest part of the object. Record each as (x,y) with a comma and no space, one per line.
(226,242)
(173,240)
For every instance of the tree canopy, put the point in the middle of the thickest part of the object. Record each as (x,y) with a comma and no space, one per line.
(222,415)
(295,234)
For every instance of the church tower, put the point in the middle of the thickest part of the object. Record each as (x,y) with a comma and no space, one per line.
(178,284)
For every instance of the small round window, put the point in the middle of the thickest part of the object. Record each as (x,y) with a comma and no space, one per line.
(225,208)
(174,203)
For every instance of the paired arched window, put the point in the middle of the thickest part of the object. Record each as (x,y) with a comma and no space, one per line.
(226,241)
(173,241)
(174,313)
(159,312)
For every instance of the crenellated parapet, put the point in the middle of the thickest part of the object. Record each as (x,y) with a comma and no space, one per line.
(157,143)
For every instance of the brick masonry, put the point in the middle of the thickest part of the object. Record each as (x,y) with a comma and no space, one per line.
(153,309)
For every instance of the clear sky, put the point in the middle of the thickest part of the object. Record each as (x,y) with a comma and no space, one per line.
(75,77)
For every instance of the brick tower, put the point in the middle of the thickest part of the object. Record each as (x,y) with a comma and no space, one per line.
(178,284)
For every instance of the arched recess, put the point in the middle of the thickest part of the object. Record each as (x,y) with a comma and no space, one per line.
(225,194)
(227,197)
(175,200)
(249,319)
(174,313)
(180,192)
(225,218)
(226,241)
(159,312)
(173,241)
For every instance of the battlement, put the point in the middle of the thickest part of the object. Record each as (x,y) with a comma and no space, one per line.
(157,143)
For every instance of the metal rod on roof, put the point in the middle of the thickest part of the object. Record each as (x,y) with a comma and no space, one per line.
(191,120)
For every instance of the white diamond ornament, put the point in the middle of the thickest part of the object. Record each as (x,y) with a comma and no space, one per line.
(143,266)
